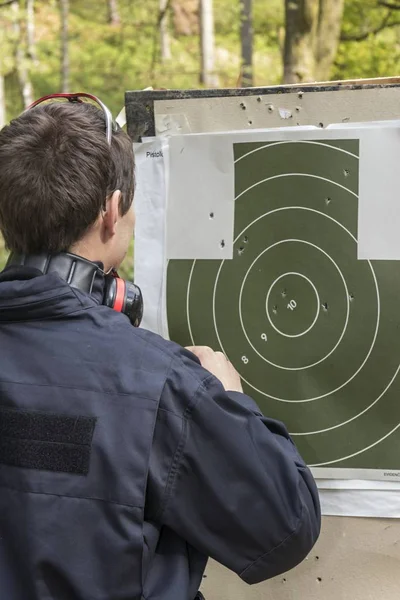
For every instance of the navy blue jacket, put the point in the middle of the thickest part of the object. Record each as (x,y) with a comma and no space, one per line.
(124,464)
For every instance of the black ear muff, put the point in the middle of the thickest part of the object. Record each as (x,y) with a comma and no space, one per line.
(125,297)
(120,295)
(133,303)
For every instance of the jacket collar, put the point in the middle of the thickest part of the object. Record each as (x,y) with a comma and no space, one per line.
(27,294)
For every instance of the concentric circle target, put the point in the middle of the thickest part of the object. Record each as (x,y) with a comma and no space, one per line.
(310,328)
(292,305)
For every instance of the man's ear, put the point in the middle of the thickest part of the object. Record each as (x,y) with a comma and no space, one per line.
(111,214)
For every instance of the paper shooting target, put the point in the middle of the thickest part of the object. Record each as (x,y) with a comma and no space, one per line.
(312,330)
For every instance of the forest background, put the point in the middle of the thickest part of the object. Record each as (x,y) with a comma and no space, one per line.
(106,47)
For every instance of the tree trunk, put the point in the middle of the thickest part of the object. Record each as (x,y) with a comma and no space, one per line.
(301,28)
(30,30)
(328,36)
(64,11)
(312,38)
(186,17)
(207,43)
(2,102)
(165,42)
(113,13)
(246,36)
(21,60)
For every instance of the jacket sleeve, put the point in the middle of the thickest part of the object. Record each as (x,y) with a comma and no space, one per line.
(237,489)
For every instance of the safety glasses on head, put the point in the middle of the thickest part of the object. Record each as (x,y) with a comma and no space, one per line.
(111,125)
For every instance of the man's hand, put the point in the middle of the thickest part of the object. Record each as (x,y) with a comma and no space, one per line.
(218,365)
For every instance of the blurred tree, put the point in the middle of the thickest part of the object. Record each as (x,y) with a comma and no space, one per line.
(161,46)
(391,5)
(2,102)
(64,35)
(366,18)
(186,17)
(246,37)
(370,43)
(30,30)
(327,37)
(311,40)
(113,12)
(109,60)
(165,43)
(207,44)
(3,68)
(21,60)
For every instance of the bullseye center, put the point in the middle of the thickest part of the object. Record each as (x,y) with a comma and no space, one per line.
(292,305)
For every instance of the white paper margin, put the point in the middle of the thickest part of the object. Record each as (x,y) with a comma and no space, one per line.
(339,497)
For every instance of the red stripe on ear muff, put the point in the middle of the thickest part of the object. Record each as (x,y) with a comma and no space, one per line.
(120,295)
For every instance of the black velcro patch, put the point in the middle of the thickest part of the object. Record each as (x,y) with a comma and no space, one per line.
(49,442)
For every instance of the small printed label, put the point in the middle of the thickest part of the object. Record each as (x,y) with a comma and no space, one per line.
(158,154)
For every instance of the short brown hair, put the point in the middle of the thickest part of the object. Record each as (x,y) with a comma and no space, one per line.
(56,171)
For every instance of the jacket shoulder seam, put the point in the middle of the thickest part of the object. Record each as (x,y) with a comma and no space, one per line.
(176,462)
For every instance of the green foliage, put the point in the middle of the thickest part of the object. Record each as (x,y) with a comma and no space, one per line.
(376,56)
(3,254)
(109,60)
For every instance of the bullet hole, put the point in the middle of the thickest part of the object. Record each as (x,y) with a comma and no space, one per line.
(346,172)
(259,99)
(250,122)
(320,125)
(242,106)
(246,239)
(325,306)
(319,579)
(328,201)
(275,309)
(346,119)
(240,251)
(298,108)
(351,297)
(317,558)
(284,293)
(211,215)
(204,576)
(222,244)
(300,94)
(284,580)
(270,108)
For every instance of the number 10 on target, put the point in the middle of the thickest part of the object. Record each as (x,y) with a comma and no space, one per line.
(292,305)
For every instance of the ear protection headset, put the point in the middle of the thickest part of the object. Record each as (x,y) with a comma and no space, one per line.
(120,295)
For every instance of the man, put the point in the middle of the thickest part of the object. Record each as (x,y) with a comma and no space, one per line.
(125,460)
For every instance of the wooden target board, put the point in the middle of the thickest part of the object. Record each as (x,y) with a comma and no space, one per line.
(311,328)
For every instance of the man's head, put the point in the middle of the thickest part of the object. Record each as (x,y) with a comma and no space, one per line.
(63,187)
